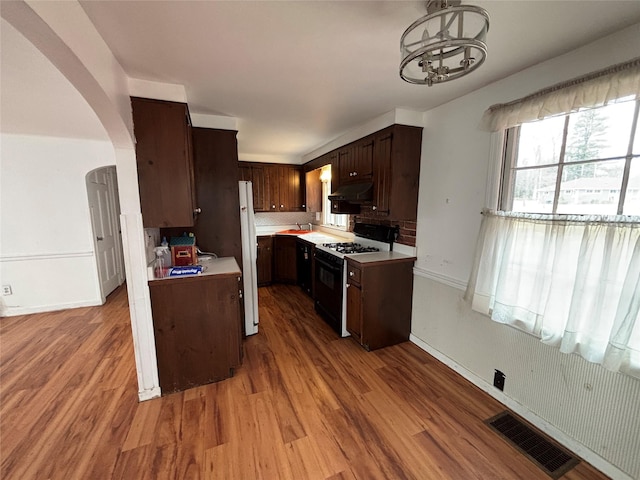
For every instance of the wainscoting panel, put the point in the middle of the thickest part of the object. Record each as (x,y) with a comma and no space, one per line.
(597,408)
(45,282)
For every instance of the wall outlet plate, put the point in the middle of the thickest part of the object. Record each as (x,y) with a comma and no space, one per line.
(6,290)
(498,380)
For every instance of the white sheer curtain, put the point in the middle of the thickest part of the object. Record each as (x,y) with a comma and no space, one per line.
(572,281)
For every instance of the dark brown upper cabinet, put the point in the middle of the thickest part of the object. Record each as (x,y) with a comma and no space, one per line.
(292,188)
(165,162)
(251,172)
(313,187)
(276,187)
(390,159)
(215,161)
(396,171)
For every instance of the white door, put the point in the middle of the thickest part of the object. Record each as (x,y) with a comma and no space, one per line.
(106,232)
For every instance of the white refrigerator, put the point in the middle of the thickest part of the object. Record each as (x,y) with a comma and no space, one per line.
(249,259)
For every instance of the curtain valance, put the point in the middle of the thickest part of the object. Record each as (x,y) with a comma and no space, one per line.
(595,89)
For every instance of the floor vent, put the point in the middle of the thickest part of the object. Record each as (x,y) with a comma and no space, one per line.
(552,459)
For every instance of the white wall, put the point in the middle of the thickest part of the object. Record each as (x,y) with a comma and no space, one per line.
(585,406)
(65,35)
(46,243)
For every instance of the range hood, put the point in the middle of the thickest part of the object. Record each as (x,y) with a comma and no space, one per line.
(353,193)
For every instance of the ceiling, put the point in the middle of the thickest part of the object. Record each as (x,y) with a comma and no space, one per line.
(297,74)
(36,99)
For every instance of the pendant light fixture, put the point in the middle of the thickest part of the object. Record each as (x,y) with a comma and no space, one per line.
(445,44)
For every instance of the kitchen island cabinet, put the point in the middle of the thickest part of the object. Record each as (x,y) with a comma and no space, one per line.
(164,161)
(379,301)
(197,326)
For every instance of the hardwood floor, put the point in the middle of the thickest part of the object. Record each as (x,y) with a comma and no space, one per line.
(304,405)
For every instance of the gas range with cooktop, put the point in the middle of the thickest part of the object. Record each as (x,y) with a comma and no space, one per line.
(347,248)
(330,274)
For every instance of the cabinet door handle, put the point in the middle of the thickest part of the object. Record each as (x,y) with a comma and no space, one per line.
(196,211)
(351,274)
(281,206)
(348,285)
(99,238)
(273,206)
(374,208)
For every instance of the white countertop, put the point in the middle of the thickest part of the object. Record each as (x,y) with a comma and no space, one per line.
(316,237)
(379,257)
(215,266)
(321,237)
(220,266)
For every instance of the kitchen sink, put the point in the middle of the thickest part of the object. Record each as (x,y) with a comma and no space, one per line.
(294,231)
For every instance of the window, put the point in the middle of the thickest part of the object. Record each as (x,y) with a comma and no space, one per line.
(330,219)
(587,162)
(560,258)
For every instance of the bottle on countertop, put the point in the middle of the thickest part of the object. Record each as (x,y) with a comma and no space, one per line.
(163,259)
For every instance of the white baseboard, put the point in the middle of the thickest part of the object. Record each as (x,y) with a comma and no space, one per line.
(440,278)
(149,394)
(15,311)
(576,447)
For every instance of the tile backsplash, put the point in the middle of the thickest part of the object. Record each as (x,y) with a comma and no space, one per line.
(267,219)
(407,234)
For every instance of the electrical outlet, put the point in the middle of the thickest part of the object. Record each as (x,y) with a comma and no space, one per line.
(6,290)
(498,380)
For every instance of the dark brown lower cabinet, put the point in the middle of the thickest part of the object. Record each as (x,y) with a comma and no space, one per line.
(284,260)
(198,331)
(265,260)
(379,301)
(354,310)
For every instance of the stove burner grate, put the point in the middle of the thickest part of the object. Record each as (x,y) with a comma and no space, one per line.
(349,247)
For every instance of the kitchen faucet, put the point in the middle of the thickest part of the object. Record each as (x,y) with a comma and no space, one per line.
(300,226)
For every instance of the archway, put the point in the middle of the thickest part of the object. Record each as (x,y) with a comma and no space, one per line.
(66,36)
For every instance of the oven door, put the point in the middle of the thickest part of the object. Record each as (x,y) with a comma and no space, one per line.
(328,291)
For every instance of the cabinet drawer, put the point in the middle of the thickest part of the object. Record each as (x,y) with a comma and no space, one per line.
(353,274)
